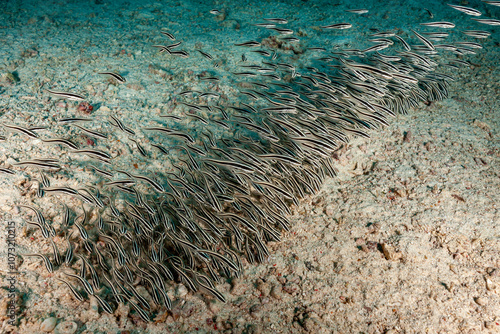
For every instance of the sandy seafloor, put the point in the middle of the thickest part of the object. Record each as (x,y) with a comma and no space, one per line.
(405,240)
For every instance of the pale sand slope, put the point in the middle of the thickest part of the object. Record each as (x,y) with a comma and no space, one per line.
(405,240)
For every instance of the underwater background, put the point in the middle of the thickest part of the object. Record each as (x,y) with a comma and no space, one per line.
(289,167)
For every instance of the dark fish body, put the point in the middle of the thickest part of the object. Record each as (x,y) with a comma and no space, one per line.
(490,22)
(114,75)
(66,95)
(249,44)
(339,26)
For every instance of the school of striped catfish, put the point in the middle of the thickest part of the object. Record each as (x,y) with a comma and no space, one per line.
(240,163)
